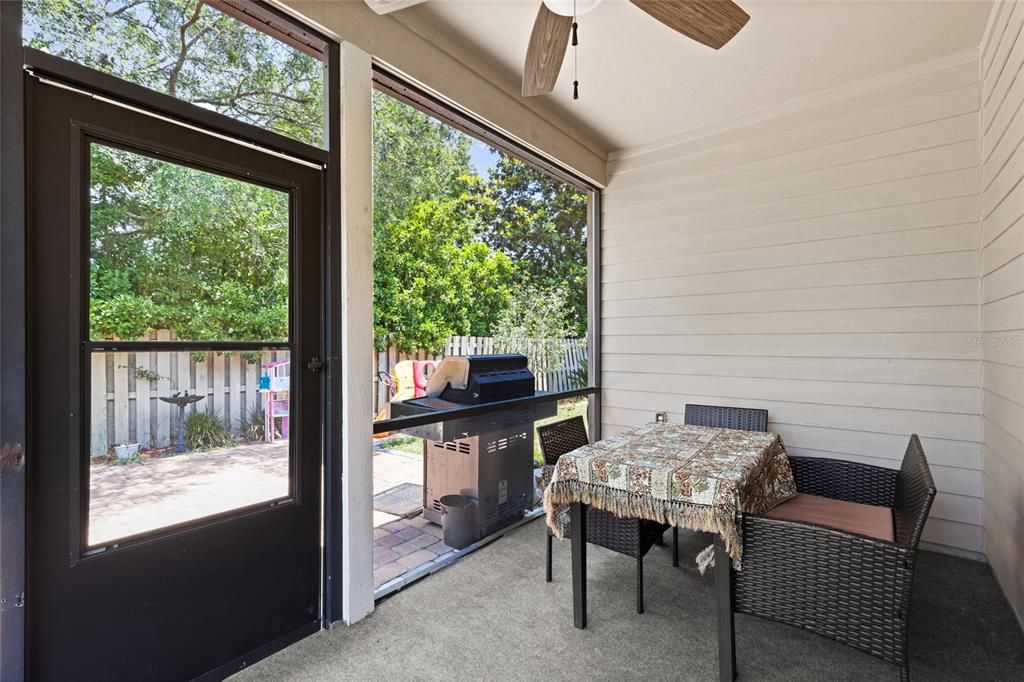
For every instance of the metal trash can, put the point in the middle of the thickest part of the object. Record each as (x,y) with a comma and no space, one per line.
(458,521)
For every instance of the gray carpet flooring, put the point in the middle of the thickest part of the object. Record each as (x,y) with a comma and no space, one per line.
(491,616)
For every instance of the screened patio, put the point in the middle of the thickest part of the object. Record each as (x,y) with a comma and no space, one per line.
(420,339)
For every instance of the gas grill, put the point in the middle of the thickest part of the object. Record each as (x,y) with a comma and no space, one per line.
(487,457)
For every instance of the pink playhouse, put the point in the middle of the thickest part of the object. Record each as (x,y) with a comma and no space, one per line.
(274,385)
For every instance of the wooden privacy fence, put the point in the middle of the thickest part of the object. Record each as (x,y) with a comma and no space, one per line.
(562,379)
(126,387)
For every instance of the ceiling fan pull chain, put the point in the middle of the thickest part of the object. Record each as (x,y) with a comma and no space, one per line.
(575,55)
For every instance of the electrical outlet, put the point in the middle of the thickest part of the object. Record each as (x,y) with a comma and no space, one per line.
(661,417)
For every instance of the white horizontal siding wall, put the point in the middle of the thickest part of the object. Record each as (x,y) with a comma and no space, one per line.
(1002,264)
(822,263)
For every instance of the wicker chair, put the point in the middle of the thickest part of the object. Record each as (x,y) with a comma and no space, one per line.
(849,587)
(741,418)
(722,417)
(632,537)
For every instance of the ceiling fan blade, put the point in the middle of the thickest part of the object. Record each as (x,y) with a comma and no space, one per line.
(545,53)
(711,22)
(389,6)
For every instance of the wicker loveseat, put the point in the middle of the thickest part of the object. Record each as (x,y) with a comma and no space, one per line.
(850,587)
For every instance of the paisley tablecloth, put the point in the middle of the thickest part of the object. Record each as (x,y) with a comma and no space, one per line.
(694,477)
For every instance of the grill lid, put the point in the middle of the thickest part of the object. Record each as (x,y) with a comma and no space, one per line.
(491,378)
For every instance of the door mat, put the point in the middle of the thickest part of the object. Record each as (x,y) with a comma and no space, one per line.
(405,500)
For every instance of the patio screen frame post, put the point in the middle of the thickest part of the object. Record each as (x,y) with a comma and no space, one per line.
(355,165)
(578,524)
(333,383)
(726,615)
(594,311)
(12,345)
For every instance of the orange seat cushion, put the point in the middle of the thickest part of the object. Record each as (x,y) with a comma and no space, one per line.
(853,517)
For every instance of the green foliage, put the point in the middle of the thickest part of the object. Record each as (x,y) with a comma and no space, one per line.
(536,324)
(119,461)
(252,425)
(206,256)
(206,430)
(433,280)
(416,158)
(540,222)
(432,277)
(144,374)
(177,248)
(410,444)
(189,50)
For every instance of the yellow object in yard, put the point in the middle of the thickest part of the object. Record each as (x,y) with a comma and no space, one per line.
(411,377)
(405,387)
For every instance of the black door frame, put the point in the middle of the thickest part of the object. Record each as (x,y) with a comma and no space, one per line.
(12,346)
(173,602)
(13,59)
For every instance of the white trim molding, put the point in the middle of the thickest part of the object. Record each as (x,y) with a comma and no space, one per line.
(357,332)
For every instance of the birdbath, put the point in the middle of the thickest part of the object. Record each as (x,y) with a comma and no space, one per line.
(182,401)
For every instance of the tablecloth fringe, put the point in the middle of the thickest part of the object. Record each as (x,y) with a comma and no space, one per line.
(706,559)
(622,503)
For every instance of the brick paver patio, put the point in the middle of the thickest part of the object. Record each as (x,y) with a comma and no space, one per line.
(406,545)
(401,545)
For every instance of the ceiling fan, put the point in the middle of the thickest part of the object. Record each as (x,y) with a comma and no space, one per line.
(710,22)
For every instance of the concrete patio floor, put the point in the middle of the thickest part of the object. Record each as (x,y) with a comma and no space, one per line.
(391,468)
(491,616)
(126,499)
(134,498)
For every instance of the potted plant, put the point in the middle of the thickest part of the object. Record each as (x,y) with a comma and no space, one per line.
(126,452)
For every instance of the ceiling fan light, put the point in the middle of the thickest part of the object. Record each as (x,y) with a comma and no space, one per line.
(565,7)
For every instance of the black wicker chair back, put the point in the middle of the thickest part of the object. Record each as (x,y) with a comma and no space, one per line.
(842,480)
(562,437)
(915,491)
(630,536)
(742,418)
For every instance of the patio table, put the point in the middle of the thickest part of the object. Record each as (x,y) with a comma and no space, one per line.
(694,477)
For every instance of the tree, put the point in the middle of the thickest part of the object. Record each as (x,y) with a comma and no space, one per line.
(416,158)
(540,222)
(432,279)
(176,248)
(189,50)
(207,256)
(535,323)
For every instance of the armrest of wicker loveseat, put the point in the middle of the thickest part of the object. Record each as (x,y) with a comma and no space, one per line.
(915,490)
(843,480)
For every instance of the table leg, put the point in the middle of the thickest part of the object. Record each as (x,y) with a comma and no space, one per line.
(726,623)
(578,528)
(675,546)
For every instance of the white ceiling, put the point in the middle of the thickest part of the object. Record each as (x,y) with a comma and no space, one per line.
(641,82)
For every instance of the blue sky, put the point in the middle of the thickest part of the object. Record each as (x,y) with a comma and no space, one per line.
(482,158)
